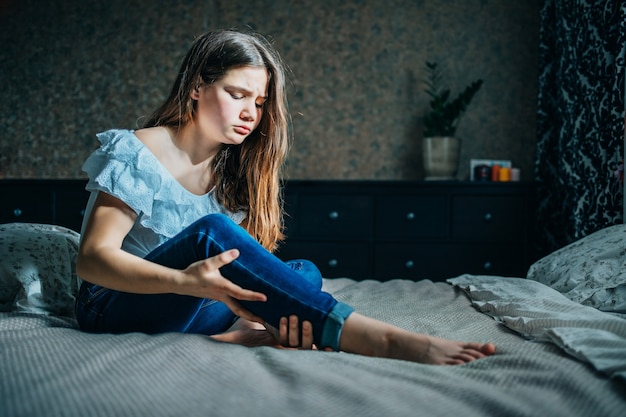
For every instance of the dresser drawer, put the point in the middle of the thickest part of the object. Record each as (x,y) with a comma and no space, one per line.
(26,205)
(491,259)
(488,218)
(412,217)
(441,261)
(346,259)
(412,261)
(336,216)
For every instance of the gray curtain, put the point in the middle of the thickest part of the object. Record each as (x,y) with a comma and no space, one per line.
(580,119)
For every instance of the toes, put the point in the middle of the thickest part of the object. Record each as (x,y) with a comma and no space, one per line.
(488,349)
(484,349)
(463,357)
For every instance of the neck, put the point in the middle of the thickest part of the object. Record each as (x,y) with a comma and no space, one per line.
(197,147)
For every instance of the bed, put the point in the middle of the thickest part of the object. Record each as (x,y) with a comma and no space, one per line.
(560,333)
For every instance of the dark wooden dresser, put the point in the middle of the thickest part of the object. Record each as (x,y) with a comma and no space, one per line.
(412,230)
(358,229)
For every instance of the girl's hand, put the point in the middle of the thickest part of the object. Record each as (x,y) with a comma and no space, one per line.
(203,279)
(247,333)
(291,335)
(294,337)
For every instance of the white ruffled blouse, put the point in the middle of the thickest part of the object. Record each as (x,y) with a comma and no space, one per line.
(124,168)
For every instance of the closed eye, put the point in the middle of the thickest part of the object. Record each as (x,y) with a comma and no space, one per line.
(241,97)
(240,94)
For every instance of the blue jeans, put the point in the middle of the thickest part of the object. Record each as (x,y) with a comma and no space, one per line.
(291,288)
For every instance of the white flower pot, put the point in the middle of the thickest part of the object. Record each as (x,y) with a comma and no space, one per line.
(441,157)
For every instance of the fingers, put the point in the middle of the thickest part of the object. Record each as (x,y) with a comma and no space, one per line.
(224,258)
(225,285)
(238,293)
(307,335)
(292,334)
(294,331)
(283,332)
(217,287)
(239,311)
(232,293)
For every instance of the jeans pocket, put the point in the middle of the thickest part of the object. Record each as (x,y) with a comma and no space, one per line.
(89,305)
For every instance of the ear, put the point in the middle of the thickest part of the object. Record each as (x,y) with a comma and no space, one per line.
(195,93)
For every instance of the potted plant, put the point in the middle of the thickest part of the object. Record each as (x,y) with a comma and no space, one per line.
(441,146)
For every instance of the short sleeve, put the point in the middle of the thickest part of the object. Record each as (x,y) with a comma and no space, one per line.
(124,168)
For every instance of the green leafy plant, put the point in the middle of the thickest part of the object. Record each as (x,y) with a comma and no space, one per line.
(444,115)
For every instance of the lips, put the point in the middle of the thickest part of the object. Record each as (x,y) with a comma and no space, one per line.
(242,130)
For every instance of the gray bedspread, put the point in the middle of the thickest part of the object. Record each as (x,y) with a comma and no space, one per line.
(48,368)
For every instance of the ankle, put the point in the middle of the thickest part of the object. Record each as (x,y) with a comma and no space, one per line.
(383,343)
(366,336)
(409,346)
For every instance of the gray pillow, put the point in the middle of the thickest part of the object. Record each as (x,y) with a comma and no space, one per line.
(38,268)
(590,271)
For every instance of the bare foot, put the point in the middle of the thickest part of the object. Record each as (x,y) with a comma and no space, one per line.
(247,333)
(437,351)
(366,336)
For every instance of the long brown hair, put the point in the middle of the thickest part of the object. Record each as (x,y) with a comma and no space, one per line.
(246,176)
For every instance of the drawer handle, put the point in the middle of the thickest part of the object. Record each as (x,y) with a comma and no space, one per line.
(487,266)
(17,212)
(488,217)
(333,215)
(410,216)
(333,263)
(409,264)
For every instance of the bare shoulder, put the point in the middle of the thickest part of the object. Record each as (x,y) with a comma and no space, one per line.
(152,134)
(154,138)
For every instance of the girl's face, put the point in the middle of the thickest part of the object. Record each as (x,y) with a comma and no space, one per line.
(231,108)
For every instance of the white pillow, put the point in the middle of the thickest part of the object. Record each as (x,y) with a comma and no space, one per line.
(541,313)
(590,271)
(38,268)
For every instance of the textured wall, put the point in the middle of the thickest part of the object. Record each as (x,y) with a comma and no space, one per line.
(72,68)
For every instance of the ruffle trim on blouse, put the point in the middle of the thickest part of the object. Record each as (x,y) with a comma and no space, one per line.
(124,168)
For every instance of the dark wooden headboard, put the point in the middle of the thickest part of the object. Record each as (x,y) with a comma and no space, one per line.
(60,202)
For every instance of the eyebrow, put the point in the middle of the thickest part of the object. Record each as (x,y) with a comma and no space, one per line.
(244,90)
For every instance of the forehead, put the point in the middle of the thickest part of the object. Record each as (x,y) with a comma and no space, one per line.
(251,79)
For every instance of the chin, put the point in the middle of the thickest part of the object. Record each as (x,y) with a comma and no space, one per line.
(235,141)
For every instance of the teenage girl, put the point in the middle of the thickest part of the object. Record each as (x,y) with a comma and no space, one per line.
(184,215)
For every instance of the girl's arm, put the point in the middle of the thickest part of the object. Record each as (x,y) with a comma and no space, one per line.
(101,261)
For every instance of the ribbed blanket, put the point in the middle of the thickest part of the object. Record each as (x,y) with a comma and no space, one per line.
(49,368)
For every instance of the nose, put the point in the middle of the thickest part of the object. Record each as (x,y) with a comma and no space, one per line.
(248,113)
